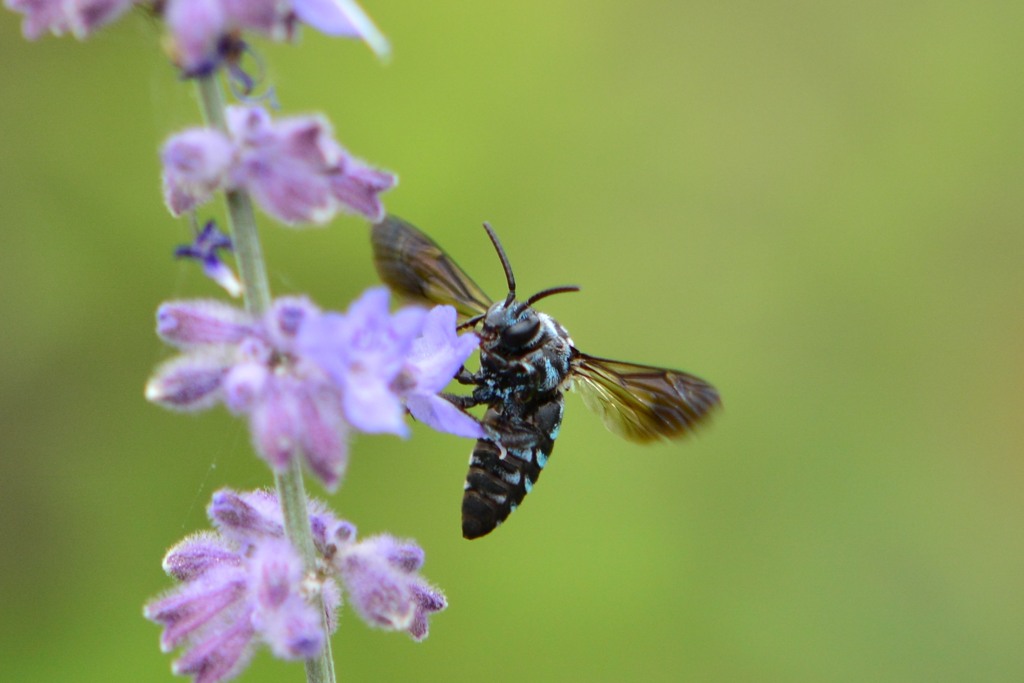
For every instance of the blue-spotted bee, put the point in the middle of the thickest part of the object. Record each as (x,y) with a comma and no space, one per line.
(527,363)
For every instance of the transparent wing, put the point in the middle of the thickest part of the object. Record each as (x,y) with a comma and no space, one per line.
(415,267)
(640,402)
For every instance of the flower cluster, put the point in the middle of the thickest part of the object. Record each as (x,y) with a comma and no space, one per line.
(81,18)
(244,584)
(204,33)
(293,168)
(304,376)
(201,34)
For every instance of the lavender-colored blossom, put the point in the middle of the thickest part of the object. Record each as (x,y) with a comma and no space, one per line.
(380,575)
(204,249)
(234,596)
(244,585)
(286,166)
(198,35)
(437,354)
(357,188)
(342,18)
(293,167)
(289,624)
(364,350)
(303,376)
(195,165)
(251,365)
(243,518)
(199,554)
(81,18)
(204,33)
(382,361)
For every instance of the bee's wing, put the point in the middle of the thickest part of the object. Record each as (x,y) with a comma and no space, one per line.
(641,402)
(413,266)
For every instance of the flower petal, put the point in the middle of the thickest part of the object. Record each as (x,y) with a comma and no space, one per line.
(274,423)
(343,18)
(195,29)
(371,407)
(438,413)
(324,437)
(358,187)
(439,352)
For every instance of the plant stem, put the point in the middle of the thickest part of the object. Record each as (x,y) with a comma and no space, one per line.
(253,273)
(292,494)
(241,220)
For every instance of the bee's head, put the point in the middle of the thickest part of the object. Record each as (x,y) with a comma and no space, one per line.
(511,323)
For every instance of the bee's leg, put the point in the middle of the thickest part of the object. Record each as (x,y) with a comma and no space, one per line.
(460,401)
(464,376)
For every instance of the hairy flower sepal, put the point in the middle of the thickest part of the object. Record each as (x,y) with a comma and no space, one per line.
(303,376)
(293,168)
(244,585)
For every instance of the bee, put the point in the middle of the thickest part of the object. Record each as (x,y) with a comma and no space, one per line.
(527,363)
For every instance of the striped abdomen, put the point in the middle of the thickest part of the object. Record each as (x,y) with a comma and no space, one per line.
(505,465)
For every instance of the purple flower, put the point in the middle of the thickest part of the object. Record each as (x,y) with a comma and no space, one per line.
(381,361)
(303,376)
(244,585)
(293,167)
(252,366)
(204,249)
(380,576)
(342,18)
(81,18)
(437,354)
(281,614)
(235,595)
(204,33)
(195,165)
(363,351)
(244,518)
(198,35)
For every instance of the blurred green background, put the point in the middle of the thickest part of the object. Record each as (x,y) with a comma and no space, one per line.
(816,206)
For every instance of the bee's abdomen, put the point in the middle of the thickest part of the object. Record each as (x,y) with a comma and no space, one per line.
(503,469)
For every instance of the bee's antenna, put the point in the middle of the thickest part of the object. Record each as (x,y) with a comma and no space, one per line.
(509,277)
(548,292)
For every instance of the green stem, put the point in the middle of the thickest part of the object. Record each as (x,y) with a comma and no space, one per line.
(292,494)
(253,274)
(241,220)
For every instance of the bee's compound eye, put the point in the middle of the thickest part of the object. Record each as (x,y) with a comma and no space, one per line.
(520,333)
